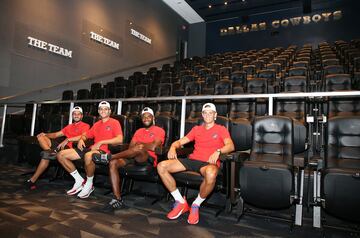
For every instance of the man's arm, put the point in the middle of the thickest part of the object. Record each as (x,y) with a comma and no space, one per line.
(227,148)
(175,145)
(152,145)
(116,140)
(52,135)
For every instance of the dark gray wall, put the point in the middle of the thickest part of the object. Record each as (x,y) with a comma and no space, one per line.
(197,39)
(67,23)
(346,28)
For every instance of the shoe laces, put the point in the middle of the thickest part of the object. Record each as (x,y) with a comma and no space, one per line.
(115,203)
(194,208)
(176,204)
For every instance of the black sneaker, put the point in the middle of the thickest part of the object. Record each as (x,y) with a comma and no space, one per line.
(113,205)
(101,158)
(29,185)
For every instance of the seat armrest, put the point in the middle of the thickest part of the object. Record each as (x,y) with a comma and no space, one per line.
(185,151)
(180,151)
(316,162)
(118,148)
(299,161)
(237,156)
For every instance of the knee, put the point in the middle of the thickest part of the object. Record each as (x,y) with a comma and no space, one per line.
(88,159)
(211,174)
(60,156)
(161,167)
(113,164)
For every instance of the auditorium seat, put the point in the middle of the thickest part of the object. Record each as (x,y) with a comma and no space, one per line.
(336,82)
(147,173)
(267,177)
(340,176)
(192,180)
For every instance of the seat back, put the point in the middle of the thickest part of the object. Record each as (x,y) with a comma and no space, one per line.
(273,140)
(336,82)
(167,123)
(266,179)
(341,179)
(295,84)
(343,106)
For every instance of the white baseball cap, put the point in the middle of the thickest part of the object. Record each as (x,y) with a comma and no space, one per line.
(148,110)
(77,109)
(208,106)
(104,104)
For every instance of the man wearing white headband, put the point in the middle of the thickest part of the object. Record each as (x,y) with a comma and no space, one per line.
(141,151)
(104,132)
(211,140)
(51,146)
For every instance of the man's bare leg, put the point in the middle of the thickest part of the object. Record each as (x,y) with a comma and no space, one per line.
(65,158)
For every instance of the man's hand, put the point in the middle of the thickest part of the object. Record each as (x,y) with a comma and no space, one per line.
(214,157)
(81,145)
(41,135)
(172,153)
(62,145)
(139,146)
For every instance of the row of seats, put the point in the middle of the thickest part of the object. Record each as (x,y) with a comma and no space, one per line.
(271,176)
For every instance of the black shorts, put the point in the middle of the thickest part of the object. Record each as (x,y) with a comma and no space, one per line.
(150,160)
(192,165)
(54,144)
(84,151)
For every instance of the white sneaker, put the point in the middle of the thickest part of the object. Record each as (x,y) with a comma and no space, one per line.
(86,190)
(76,188)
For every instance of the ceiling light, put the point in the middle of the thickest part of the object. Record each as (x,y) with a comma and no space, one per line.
(225,3)
(209,6)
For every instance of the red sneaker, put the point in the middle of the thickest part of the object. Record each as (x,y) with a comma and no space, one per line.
(194,215)
(178,209)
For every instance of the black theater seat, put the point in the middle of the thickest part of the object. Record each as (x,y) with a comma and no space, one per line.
(341,175)
(267,177)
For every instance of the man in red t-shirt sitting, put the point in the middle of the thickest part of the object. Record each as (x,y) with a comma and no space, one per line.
(105,131)
(211,140)
(50,146)
(140,151)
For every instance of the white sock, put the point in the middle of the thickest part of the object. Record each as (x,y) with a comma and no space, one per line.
(198,200)
(77,176)
(89,180)
(177,196)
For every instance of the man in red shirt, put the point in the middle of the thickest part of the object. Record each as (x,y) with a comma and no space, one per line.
(211,140)
(50,146)
(140,151)
(105,131)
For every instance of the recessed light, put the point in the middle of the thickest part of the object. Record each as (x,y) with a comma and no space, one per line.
(225,3)
(209,6)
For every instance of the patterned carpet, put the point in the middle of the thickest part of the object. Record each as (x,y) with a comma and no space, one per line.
(48,212)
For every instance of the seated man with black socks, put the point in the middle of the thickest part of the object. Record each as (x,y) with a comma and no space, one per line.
(50,146)
(105,131)
(140,151)
(211,140)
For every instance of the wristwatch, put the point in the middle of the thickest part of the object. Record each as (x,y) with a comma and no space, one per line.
(218,150)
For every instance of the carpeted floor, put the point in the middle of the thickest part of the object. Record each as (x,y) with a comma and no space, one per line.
(48,212)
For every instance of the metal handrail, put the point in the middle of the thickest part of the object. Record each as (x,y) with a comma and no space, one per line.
(183,99)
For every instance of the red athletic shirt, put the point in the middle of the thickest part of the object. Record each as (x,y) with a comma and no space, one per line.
(75,129)
(143,135)
(104,131)
(207,141)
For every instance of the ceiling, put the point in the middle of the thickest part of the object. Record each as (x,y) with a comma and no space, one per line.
(212,10)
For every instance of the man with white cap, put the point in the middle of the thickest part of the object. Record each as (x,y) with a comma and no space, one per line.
(141,151)
(104,132)
(51,146)
(211,140)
